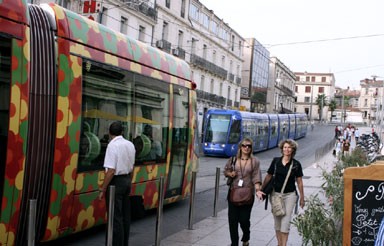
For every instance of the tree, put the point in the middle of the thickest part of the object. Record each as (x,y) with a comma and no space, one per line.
(332,106)
(321,102)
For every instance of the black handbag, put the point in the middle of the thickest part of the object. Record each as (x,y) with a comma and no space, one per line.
(230,179)
(268,188)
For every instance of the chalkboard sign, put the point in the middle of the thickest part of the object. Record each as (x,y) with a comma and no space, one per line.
(367,210)
(363,204)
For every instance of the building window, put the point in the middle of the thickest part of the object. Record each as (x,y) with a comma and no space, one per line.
(307,99)
(124,25)
(205,20)
(142,33)
(205,51)
(365,102)
(296,89)
(194,12)
(182,11)
(164,35)
(307,89)
(307,78)
(202,82)
(223,61)
(168,3)
(233,43)
(321,89)
(212,86)
(181,39)
(323,79)
(313,79)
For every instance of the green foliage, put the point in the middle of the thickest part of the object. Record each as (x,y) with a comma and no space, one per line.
(316,225)
(321,223)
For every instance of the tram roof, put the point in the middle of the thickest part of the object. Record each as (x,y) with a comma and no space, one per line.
(15,10)
(82,30)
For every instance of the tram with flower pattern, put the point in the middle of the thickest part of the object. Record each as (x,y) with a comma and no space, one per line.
(63,80)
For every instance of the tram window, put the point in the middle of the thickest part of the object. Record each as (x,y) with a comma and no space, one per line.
(234,133)
(5,82)
(151,121)
(139,102)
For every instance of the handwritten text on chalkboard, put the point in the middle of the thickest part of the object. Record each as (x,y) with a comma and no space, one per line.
(367,210)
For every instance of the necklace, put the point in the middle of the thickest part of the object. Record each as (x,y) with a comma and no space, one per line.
(244,159)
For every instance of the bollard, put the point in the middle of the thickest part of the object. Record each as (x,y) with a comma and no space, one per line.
(216,191)
(192,201)
(111,210)
(160,211)
(31,222)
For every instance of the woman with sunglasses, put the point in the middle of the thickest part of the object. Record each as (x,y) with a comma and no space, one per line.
(244,170)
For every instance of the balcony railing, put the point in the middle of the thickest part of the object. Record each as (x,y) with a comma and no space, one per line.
(231,77)
(203,95)
(209,66)
(141,7)
(179,52)
(164,45)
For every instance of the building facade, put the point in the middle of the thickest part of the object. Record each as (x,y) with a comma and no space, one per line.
(371,100)
(311,86)
(281,88)
(255,74)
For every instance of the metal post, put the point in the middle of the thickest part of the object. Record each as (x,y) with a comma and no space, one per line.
(160,211)
(31,222)
(192,201)
(111,211)
(217,183)
(310,106)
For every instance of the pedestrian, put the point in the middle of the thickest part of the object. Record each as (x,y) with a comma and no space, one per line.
(337,147)
(244,171)
(280,167)
(357,135)
(346,146)
(118,164)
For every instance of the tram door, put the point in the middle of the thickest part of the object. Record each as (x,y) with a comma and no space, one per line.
(179,141)
(5,85)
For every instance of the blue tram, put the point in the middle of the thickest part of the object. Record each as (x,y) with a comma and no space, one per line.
(223,130)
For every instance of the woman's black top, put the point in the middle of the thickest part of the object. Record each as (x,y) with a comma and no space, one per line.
(281,173)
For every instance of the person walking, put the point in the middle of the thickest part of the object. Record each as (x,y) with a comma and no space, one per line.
(280,167)
(118,163)
(346,146)
(244,171)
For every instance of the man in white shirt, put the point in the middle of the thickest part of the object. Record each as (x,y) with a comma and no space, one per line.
(118,163)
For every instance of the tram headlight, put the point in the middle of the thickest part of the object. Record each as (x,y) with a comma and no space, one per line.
(205,144)
(223,146)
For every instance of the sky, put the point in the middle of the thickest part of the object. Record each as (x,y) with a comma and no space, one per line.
(344,37)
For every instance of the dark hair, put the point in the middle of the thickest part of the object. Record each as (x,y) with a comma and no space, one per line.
(116,128)
(291,143)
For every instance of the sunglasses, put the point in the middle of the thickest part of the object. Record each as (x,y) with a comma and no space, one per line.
(246,145)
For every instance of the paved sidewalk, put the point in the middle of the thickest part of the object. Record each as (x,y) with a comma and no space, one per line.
(213,231)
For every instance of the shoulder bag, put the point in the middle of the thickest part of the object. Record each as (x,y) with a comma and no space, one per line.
(268,188)
(277,201)
(230,179)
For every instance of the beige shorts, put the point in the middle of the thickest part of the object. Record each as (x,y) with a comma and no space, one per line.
(283,223)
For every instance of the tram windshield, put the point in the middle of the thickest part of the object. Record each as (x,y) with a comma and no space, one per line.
(217,128)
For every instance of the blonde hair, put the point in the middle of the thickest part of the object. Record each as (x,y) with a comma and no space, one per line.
(293,144)
(246,139)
